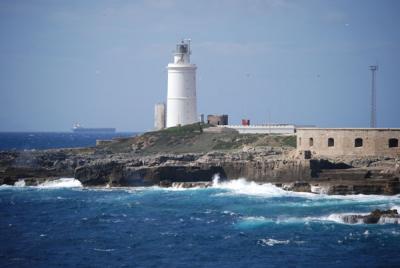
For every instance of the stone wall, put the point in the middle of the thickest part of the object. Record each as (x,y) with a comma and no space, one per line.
(349,141)
(217,120)
(280,129)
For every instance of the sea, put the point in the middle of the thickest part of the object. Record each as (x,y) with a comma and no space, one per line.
(52,140)
(234,223)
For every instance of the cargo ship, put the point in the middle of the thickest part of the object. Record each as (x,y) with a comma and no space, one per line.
(77,128)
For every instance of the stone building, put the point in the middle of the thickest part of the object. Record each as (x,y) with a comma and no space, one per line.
(349,141)
(218,120)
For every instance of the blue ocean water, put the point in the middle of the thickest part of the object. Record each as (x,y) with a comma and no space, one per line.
(233,224)
(49,140)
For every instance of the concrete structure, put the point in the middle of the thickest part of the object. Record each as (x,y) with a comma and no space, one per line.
(349,141)
(159,116)
(182,103)
(279,129)
(214,119)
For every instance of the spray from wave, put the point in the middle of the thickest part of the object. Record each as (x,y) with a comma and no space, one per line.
(19,183)
(61,183)
(244,187)
(51,184)
(267,190)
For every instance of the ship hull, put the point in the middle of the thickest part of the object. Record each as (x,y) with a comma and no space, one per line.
(94,130)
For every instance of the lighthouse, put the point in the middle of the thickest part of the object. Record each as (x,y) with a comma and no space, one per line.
(181,101)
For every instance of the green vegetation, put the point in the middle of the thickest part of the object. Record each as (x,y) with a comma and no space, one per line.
(235,141)
(192,139)
(180,130)
(289,141)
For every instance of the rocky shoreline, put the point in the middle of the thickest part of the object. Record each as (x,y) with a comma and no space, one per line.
(190,157)
(276,165)
(390,216)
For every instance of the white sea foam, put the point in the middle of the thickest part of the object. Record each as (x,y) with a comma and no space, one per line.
(365,198)
(267,190)
(389,220)
(216,178)
(19,183)
(61,183)
(397,208)
(333,218)
(338,217)
(241,186)
(318,189)
(244,187)
(271,242)
(257,221)
(253,221)
(104,250)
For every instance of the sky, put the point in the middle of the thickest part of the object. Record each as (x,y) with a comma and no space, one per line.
(103,63)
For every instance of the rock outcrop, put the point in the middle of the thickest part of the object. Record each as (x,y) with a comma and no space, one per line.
(376,216)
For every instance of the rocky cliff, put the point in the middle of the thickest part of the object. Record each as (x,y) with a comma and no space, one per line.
(375,176)
(142,161)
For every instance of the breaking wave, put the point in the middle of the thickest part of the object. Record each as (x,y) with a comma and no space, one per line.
(19,183)
(61,183)
(251,222)
(243,187)
(339,218)
(51,184)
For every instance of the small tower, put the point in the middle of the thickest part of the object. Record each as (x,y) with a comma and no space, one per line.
(373,69)
(182,101)
(159,116)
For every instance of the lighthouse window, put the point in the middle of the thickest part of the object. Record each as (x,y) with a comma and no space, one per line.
(311,142)
(358,142)
(331,142)
(393,143)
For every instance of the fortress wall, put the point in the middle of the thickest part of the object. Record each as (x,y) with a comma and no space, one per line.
(264,129)
(372,142)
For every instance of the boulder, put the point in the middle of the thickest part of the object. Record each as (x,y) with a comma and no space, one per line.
(297,186)
(376,216)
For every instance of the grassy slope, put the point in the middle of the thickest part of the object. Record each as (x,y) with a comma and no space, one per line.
(192,139)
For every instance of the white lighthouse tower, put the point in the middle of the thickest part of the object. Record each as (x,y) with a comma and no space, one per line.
(182,101)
